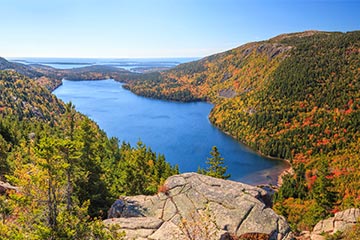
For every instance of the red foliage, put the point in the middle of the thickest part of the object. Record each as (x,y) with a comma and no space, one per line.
(302,105)
(337,172)
(307,121)
(323,141)
(327,131)
(331,176)
(335,210)
(348,111)
(311,180)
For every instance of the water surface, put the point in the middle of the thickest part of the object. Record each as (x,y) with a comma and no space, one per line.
(180,131)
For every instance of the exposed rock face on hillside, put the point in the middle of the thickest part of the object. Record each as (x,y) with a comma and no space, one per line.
(4,186)
(340,222)
(194,206)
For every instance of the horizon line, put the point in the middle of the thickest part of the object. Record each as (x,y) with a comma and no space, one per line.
(6,57)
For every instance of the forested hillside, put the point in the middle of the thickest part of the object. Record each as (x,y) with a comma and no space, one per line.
(296,97)
(66,169)
(51,78)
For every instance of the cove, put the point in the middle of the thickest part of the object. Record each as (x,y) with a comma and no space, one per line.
(180,131)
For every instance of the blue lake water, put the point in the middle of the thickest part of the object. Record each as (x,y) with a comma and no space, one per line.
(180,131)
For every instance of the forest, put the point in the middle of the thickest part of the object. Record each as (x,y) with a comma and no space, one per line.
(294,97)
(66,170)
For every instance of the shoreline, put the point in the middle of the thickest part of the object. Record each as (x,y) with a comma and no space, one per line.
(272,176)
(289,170)
(274,173)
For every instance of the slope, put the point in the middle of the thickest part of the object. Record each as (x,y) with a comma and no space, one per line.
(295,96)
(66,168)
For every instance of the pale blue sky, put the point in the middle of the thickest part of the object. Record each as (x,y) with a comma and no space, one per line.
(159,28)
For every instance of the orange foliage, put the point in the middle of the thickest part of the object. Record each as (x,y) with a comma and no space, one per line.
(348,111)
(323,141)
(311,180)
(327,131)
(300,158)
(307,121)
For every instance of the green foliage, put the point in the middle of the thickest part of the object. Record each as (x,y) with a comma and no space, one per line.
(300,214)
(295,190)
(68,170)
(216,166)
(86,228)
(137,171)
(293,186)
(323,187)
(294,97)
(6,208)
(352,233)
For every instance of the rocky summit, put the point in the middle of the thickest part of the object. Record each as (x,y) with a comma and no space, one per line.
(194,206)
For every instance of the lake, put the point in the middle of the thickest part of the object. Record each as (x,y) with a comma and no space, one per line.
(180,131)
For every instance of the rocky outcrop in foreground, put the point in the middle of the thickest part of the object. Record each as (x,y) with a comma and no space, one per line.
(341,222)
(194,206)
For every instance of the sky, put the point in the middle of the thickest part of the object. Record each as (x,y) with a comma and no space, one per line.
(159,28)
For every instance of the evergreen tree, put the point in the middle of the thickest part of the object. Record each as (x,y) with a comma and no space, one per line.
(53,165)
(323,187)
(68,150)
(287,188)
(300,181)
(215,165)
(92,186)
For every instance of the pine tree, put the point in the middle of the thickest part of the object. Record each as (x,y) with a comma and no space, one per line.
(92,186)
(70,154)
(215,165)
(53,165)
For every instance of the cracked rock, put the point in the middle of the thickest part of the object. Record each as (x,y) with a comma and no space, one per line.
(339,223)
(195,206)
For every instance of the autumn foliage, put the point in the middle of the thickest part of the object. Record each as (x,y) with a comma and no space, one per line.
(295,97)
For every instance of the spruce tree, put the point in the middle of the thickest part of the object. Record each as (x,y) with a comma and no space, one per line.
(216,166)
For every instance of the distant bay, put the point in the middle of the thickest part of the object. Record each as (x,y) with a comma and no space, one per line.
(134,64)
(180,131)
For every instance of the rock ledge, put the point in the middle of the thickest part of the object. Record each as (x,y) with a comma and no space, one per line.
(339,223)
(194,206)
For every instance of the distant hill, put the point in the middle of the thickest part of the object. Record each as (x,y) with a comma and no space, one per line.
(295,96)
(18,67)
(50,77)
